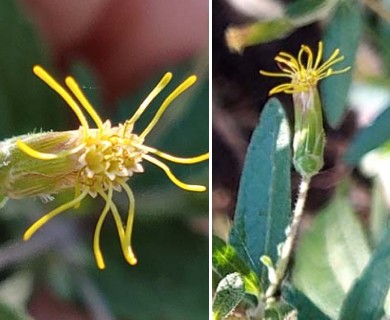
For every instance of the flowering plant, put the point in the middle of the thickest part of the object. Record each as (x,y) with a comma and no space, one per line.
(275,262)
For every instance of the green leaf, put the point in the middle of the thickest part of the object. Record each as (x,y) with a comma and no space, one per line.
(226,261)
(240,37)
(382,37)
(298,14)
(10,313)
(263,206)
(343,32)
(26,103)
(303,12)
(306,308)
(369,138)
(330,256)
(280,311)
(380,213)
(367,297)
(229,293)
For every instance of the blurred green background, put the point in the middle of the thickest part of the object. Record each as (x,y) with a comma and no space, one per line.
(56,270)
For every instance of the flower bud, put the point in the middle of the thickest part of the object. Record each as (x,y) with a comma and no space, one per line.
(24,176)
(309,137)
(304,72)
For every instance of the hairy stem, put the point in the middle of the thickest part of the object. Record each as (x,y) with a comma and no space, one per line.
(287,247)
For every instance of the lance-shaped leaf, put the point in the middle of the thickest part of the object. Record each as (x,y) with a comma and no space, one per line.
(263,206)
(369,138)
(331,256)
(226,260)
(367,297)
(297,14)
(343,32)
(240,37)
(303,12)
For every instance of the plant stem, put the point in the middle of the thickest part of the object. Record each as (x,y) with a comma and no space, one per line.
(287,247)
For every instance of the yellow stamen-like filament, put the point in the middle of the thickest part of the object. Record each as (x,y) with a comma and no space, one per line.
(175,93)
(117,217)
(309,56)
(300,63)
(77,190)
(74,87)
(275,74)
(46,156)
(96,238)
(319,54)
(289,64)
(170,175)
(30,231)
(127,250)
(175,159)
(293,60)
(332,59)
(160,86)
(45,77)
(130,214)
(285,87)
(304,76)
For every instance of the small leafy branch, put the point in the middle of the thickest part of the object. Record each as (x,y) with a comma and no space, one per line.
(341,266)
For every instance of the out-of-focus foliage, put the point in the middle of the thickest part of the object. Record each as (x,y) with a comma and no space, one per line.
(9,313)
(171,278)
(25,102)
(307,309)
(343,32)
(157,280)
(331,255)
(372,287)
(369,138)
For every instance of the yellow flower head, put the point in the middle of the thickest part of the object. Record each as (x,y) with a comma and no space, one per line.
(105,157)
(303,76)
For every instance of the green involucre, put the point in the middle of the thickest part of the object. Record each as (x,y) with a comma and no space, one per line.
(309,137)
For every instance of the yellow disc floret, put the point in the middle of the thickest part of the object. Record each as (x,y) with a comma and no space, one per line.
(110,156)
